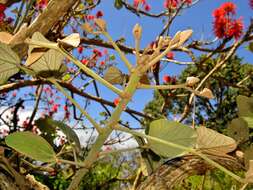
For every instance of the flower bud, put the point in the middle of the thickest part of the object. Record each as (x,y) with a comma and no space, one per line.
(191,81)
(207,93)
(137,32)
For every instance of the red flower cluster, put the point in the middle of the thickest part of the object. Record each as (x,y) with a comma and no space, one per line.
(169,79)
(2,14)
(116,101)
(41,4)
(145,5)
(225,25)
(173,4)
(251,3)
(170,55)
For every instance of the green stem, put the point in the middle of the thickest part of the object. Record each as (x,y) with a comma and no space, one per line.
(171,144)
(96,147)
(93,122)
(116,47)
(137,49)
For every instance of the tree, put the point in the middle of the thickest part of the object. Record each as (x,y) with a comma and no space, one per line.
(58,58)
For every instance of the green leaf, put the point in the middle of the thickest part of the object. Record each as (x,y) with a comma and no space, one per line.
(251,47)
(118,4)
(47,131)
(50,64)
(114,75)
(171,131)
(210,140)
(249,120)
(31,145)
(37,36)
(238,130)
(9,63)
(71,135)
(245,105)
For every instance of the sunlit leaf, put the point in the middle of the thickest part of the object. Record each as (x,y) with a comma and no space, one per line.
(9,62)
(238,130)
(211,141)
(174,132)
(249,120)
(50,64)
(31,145)
(72,40)
(37,36)
(51,125)
(114,75)
(5,37)
(245,105)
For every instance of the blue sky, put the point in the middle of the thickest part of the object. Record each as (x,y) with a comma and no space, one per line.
(198,18)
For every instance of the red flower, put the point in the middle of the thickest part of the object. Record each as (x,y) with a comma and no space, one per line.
(85,61)
(99,14)
(228,7)
(147,7)
(225,25)
(97,52)
(137,2)
(166,79)
(2,7)
(251,3)
(236,28)
(102,63)
(116,101)
(80,49)
(90,17)
(188,2)
(41,4)
(170,55)
(170,4)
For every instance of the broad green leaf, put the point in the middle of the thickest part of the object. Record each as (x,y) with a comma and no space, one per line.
(118,4)
(171,131)
(37,36)
(115,76)
(31,145)
(249,120)
(47,131)
(238,130)
(210,140)
(9,62)
(50,64)
(71,135)
(245,105)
